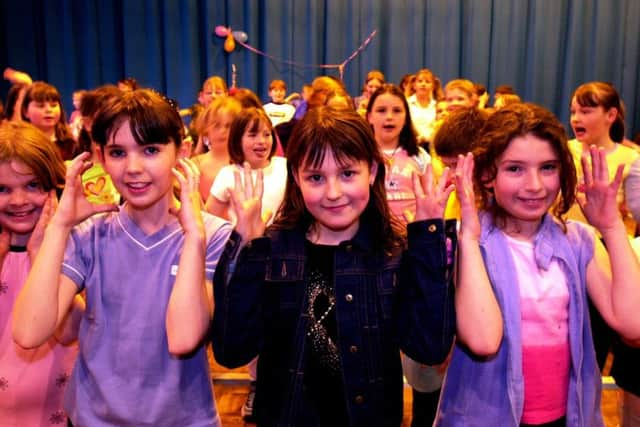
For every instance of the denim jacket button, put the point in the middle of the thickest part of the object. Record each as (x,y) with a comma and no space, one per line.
(348,297)
(353,349)
(359,399)
(432,228)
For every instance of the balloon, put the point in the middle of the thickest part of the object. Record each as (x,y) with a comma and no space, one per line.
(229,43)
(240,36)
(221,31)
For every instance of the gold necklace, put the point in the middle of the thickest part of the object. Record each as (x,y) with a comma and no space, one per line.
(389,158)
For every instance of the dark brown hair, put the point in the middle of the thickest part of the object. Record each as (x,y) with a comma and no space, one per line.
(247,120)
(151,119)
(501,128)
(44,92)
(346,136)
(458,131)
(601,94)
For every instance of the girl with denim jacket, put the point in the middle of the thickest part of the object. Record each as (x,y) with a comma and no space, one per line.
(524,354)
(332,291)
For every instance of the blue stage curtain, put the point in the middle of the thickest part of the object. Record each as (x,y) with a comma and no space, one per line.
(545,49)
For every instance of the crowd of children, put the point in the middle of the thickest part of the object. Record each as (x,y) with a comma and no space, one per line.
(335,246)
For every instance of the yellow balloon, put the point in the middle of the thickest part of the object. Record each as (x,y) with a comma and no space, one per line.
(229,43)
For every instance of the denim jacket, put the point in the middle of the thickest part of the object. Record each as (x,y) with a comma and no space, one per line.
(384,304)
(485,392)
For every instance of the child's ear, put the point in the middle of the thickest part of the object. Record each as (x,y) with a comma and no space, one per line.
(374,173)
(612,114)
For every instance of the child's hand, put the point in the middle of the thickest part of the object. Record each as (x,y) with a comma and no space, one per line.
(598,201)
(246,201)
(48,209)
(431,197)
(74,207)
(469,224)
(190,211)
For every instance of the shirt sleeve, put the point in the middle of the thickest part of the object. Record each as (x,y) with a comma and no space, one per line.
(222,184)
(632,190)
(219,231)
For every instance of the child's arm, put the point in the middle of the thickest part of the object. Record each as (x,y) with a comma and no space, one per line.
(478,315)
(67,332)
(613,278)
(216,207)
(47,295)
(239,278)
(190,305)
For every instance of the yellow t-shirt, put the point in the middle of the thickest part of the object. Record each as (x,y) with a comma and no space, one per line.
(619,155)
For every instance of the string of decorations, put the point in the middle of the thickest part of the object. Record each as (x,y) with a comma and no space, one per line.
(240,37)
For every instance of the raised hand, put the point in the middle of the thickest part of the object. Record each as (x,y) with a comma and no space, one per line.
(431,196)
(190,211)
(48,210)
(597,195)
(74,207)
(246,201)
(469,224)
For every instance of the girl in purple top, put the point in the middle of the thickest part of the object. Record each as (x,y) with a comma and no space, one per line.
(524,275)
(146,268)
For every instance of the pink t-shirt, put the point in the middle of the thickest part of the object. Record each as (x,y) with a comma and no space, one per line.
(32,381)
(399,182)
(544,304)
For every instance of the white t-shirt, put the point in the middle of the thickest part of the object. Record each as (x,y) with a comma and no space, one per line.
(275,181)
(279,113)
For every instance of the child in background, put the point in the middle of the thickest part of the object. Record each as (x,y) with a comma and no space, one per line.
(524,353)
(278,110)
(42,107)
(32,381)
(75,120)
(388,114)
(250,142)
(146,268)
(423,104)
(597,118)
(460,93)
(212,149)
(455,137)
(331,294)
(375,79)
(97,184)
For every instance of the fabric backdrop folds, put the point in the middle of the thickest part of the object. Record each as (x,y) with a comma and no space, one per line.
(544,48)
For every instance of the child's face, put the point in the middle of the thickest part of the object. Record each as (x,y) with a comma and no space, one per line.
(277,94)
(457,98)
(21,200)
(527,181)
(209,93)
(591,124)
(76,101)
(423,85)
(441,110)
(218,133)
(335,195)
(141,173)
(256,146)
(387,117)
(43,115)
(372,86)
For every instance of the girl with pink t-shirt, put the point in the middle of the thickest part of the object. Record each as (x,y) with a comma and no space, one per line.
(32,381)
